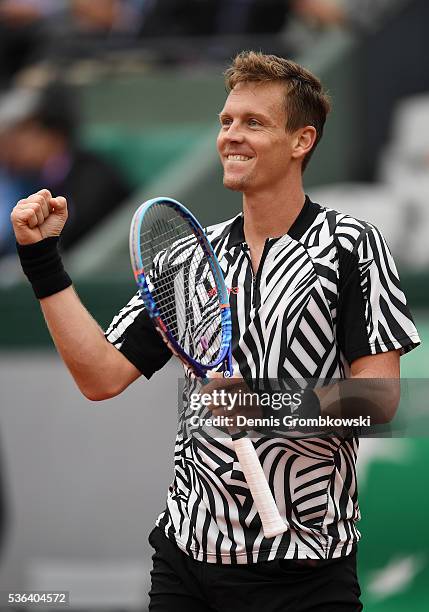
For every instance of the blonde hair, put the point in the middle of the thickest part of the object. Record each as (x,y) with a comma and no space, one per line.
(306,101)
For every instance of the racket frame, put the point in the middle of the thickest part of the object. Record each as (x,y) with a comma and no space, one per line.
(224,355)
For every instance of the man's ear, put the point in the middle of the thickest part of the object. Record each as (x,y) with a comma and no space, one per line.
(303,142)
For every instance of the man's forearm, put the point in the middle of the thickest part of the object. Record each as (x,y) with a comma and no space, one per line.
(361,396)
(99,370)
(368,394)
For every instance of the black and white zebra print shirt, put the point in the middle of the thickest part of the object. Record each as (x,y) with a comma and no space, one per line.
(325,294)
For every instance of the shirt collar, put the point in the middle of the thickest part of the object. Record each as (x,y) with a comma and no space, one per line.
(303,221)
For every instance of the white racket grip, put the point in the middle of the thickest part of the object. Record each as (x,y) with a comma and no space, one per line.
(272,522)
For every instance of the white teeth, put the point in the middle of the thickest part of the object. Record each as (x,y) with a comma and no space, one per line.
(238,158)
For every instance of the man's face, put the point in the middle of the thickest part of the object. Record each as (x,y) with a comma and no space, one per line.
(254,147)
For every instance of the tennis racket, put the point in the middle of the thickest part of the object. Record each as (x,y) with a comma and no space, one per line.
(182,287)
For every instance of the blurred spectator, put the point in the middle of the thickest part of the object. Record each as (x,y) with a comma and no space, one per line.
(32,31)
(16,12)
(13,107)
(23,32)
(40,149)
(89,28)
(355,14)
(108,15)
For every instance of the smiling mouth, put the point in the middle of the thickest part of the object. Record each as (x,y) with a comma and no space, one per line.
(241,158)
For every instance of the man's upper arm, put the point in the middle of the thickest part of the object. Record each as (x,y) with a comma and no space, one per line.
(125,371)
(382,365)
(380,376)
(372,312)
(374,322)
(134,335)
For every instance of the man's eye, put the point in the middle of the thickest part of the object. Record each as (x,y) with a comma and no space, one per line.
(253,122)
(225,122)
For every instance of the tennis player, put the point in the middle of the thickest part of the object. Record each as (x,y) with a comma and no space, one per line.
(314,294)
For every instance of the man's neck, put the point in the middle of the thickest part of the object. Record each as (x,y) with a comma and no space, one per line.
(269,214)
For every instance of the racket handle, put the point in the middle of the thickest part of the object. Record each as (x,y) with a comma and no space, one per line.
(272,523)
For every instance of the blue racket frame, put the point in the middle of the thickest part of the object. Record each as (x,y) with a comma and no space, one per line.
(222,292)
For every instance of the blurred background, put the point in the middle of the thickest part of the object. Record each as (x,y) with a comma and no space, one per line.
(110,102)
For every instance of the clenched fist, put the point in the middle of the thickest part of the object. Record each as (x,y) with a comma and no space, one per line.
(39,216)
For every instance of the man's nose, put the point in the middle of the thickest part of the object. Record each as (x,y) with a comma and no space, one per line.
(234,133)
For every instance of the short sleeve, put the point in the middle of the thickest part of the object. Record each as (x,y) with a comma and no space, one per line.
(133,333)
(372,314)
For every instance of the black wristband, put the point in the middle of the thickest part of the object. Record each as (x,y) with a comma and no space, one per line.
(42,265)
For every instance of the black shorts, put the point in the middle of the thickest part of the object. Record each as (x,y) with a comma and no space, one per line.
(181,583)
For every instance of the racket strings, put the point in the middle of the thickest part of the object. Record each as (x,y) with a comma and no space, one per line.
(182,283)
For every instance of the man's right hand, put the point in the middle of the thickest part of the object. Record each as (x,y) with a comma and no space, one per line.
(39,216)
